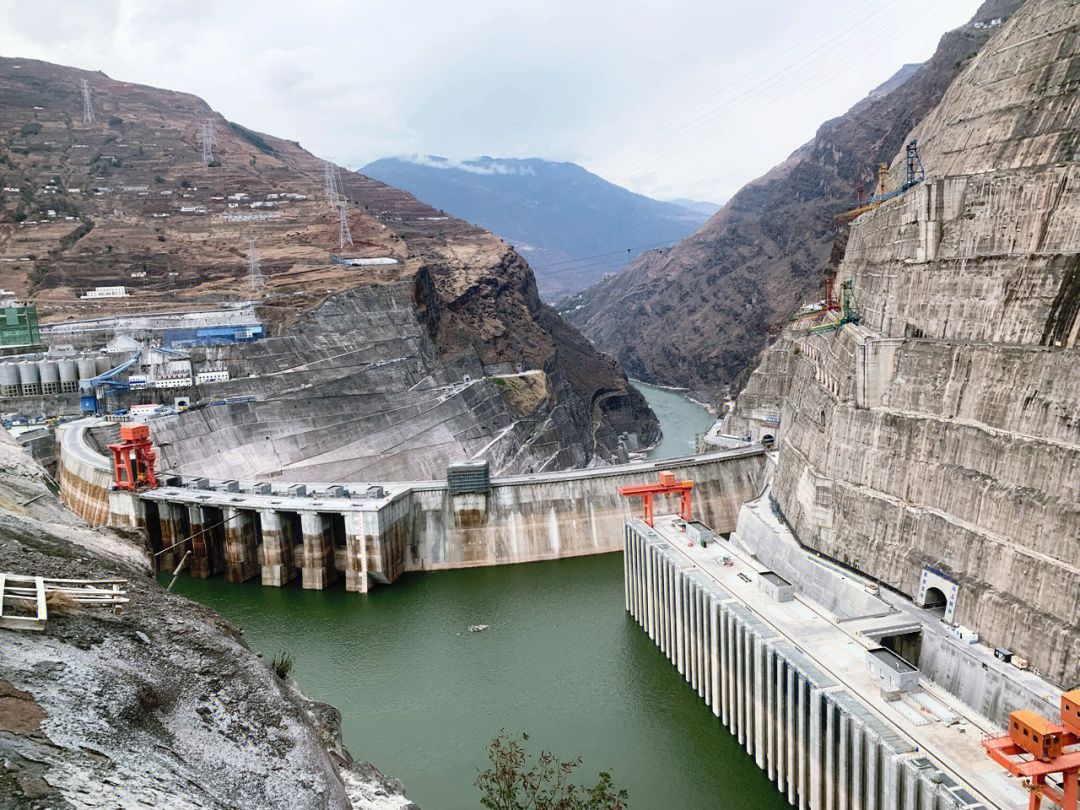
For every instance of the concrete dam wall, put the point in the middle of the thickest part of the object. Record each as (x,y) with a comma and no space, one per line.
(372,533)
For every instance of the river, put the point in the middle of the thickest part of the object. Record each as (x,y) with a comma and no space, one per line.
(422,697)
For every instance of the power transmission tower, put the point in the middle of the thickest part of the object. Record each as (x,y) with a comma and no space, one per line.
(330,183)
(343,226)
(255,276)
(207,141)
(87,107)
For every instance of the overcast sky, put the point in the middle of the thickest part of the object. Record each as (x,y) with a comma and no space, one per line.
(675,99)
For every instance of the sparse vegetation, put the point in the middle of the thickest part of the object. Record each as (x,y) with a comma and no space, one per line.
(31,128)
(517,780)
(253,138)
(116,122)
(282,664)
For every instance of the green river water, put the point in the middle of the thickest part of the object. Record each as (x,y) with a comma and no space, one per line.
(422,697)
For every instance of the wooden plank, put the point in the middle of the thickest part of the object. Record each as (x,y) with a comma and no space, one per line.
(2,578)
(20,623)
(41,609)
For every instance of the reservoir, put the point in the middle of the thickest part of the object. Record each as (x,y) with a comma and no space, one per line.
(422,697)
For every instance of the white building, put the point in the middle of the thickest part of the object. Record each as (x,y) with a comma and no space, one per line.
(106,292)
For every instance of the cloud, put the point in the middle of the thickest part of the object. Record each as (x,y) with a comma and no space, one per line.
(688,99)
(473,165)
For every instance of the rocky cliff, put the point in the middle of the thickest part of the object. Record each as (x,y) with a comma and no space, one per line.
(941,435)
(699,313)
(126,199)
(159,705)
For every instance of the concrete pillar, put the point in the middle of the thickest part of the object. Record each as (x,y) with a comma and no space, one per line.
(815,760)
(740,684)
(761,744)
(748,690)
(873,754)
(356,565)
(278,566)
(650,595)
(627,533)
(890,782)
(207,554)
(695,636)
(911,789)
(805,761)
(725,666)
(318,565)
(240,561)
(855,801)
(844,765)
(770,710)
(714,652)
(172,532)
(792,743)
(829,783)
(679,629)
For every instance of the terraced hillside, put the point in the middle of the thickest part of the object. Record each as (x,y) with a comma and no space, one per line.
(940,437)
(127,200)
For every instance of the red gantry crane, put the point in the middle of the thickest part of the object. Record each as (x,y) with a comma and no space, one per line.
(666,486)
(1035,748)
(133,460)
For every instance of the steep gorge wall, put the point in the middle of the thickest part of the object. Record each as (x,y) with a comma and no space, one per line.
(944,430)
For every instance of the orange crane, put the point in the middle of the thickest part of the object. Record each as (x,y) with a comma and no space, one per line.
(666,486)
(1035,748)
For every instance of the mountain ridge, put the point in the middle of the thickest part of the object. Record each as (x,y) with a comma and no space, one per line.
(573,225)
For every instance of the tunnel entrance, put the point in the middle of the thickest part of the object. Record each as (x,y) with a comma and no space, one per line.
(153,525)
(907,645)
(936,602)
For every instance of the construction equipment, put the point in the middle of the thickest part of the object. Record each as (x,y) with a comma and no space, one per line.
(666,486)
(29,597)
(913,175)
(133,458)
(1036,748)
(847,308)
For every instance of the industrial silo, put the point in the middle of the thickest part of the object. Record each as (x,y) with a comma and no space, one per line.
(102,364)
(69,377)
(86,369)
(29,380)
(9,380)
(49,373)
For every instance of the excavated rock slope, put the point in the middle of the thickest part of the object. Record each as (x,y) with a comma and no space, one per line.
(698,314)
(160,705)
(133,204)
(943,431)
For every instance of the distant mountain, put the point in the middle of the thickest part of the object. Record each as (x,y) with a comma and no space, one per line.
(572,226)
(706,208)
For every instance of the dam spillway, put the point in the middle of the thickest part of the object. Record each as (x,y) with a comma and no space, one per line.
(791,683)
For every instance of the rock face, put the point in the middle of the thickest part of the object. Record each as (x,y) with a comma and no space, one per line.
(698,314)
(133,204)
(161,705)
(942,432)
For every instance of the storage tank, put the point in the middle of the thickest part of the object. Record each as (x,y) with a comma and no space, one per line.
(69,376)
(29,380)
(9,380)
(86,369)
(102,364)
(49,372)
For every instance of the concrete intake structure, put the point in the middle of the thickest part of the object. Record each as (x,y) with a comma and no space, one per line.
(792,685)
